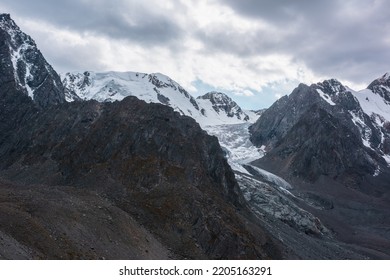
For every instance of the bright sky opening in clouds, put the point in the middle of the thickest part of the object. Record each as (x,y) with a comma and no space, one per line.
(254,50)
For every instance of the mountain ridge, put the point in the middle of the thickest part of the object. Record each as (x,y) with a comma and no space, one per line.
(24,65)
(156,88)
(365,119)
(331,144)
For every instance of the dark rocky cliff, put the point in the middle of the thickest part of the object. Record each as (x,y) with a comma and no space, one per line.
(155,165)
(320,136)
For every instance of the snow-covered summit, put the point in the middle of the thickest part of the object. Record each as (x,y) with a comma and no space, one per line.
(375,100)
(331,86)
(369,110)
(223,104)
(156,88)
(381,86)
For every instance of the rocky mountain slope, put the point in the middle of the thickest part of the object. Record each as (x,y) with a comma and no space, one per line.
(351,129)
(76,177)
(63,222)
(331,144)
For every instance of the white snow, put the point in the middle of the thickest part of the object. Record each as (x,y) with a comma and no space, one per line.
(377,171)
(252,116)
(27,77)
(16,56)
(325,97)
(372,103)
(213,117)
(235,141)
(387,159)
(234,138)
(111,86)
(365,131)
(378,109)
(17,52)
(270,177)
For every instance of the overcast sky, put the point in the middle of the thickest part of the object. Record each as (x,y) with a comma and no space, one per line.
(254,50)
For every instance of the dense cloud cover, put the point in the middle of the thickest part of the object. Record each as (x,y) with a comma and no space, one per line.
(255,49)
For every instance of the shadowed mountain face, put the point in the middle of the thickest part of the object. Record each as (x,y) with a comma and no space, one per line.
(158,167)
(323,130)
(24,68)
(331,144)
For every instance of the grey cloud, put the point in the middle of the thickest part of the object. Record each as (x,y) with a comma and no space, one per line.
(344,39)
(281,11)
(128,20)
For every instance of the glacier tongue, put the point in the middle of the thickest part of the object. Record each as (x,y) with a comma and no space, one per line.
(234,138)
(267,194)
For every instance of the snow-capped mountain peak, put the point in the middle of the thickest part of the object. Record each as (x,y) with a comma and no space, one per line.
(331,86)
(381,86)
(369,110)
(375,100)
(111,86)
(212,109)
(224,105)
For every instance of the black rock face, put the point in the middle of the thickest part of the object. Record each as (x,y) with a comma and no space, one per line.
(157,166)
(319,144)
(317,136)
(25,67)
(276,121)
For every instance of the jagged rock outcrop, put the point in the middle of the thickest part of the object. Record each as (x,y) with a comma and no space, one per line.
(159,167)
(23,67)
